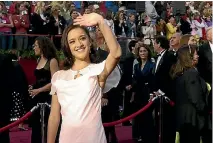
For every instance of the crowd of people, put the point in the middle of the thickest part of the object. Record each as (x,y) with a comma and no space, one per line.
(181,70)
(51,18)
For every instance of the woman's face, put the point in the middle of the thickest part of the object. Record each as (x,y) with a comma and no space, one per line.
(121,15)
(143,53)
(22,7)
(79,44)
(192,41)
(195,58)
(207,5)
(37,49)
(148,23)
(87,11)
(172,20)
(74,15)
(56,11)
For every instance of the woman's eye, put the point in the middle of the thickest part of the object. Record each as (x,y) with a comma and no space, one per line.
(83,38)
(71,42)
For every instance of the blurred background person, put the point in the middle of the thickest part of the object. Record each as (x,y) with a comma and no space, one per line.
(120,24)
(142,83)
(56,25)
(6,25)
(149,31)
(21,23)
(171,27)
(190,97)
(188,40)
(39,92)
(109,20)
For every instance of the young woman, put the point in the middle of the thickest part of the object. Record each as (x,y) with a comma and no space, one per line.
(46,67)
(76,92)
(142,79)
(190,96)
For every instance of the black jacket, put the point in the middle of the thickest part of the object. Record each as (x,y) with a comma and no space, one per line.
(191,100)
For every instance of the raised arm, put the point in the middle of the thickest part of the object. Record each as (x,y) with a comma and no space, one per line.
(111,41)
(114,50)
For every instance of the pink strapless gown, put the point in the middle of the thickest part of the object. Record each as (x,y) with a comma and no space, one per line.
(80,101)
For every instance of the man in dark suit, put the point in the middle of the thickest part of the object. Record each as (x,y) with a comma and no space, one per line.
(6,95)
(162,85)
(205,69)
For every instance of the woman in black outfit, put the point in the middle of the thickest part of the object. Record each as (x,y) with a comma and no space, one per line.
(142,82)
(191,96)
(47,66)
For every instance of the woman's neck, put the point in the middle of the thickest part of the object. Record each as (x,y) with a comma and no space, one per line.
(55,15)
(143,61)
(79,65)
(42,57)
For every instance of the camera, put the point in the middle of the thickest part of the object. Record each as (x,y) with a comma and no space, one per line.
(24,12)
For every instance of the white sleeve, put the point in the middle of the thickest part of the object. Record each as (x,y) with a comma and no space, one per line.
(53,90)
(112,80)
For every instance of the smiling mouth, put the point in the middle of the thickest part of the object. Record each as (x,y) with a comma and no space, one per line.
(80,49)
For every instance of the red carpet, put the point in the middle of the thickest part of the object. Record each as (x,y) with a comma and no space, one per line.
(123,134)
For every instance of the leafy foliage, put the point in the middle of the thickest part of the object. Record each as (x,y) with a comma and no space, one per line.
(28,54)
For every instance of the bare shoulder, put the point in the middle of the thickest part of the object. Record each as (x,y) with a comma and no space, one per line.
(53,61)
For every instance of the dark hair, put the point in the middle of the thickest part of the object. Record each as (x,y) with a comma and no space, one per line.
(171,16)
(163,41)
(109,15)
(131,44)
(184,60)
(73,10)
(69,59)
(17,6)
(187,8)
(47,47)
(147,48)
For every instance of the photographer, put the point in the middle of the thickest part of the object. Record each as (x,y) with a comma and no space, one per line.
(22,23)
(120,25)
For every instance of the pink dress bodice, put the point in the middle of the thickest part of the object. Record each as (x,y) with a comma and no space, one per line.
(80,101)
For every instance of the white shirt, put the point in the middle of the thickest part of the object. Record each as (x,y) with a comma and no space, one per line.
(159,58)
(211,46)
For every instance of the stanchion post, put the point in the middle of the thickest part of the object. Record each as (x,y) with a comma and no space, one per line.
(42,114)
(51,38)
(160,119)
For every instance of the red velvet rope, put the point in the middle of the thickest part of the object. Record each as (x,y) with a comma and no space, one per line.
(129,117)
(104,124)
(16,122)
